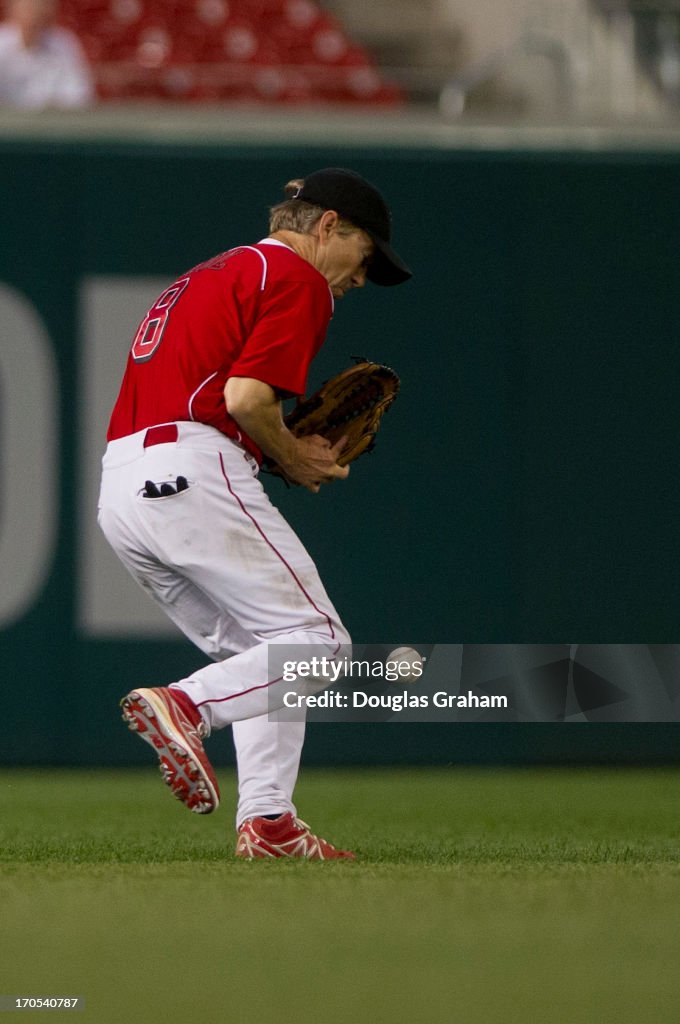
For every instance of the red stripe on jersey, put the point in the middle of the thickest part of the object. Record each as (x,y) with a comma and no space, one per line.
(255,311)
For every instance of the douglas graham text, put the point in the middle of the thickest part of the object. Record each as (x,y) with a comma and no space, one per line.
(392,701)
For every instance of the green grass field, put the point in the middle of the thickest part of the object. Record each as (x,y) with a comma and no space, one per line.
(481,897)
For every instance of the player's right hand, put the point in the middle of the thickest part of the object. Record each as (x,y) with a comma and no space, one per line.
(316,462)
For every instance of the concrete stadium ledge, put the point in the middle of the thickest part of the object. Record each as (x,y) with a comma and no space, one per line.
(411,127)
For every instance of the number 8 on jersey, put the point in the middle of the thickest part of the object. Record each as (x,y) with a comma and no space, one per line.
(150,332)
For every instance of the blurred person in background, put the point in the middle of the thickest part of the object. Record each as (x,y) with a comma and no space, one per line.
(41,64)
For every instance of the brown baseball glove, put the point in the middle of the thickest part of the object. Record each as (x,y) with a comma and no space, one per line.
(351,404)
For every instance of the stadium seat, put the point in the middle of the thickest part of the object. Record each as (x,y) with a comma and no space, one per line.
(270,51)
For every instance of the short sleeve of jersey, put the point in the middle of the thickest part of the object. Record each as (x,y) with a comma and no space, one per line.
(290,328)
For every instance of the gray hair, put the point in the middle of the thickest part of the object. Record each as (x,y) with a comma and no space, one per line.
(298,215)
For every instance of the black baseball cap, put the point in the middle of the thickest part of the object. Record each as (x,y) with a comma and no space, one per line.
(355,199)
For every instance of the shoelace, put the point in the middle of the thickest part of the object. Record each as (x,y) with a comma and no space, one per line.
(303,824)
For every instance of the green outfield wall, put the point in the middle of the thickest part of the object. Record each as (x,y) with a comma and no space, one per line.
(526,487)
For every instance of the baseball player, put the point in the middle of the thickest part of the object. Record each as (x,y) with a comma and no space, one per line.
(182,506)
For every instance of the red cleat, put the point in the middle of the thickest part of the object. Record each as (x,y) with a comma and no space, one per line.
(285,836)
(168,721)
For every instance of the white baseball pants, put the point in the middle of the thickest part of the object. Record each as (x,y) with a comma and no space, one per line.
(227,568)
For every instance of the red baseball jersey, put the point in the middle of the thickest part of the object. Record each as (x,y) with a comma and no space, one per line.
(256,311)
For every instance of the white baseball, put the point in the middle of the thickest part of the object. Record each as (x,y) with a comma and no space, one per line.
(407,662)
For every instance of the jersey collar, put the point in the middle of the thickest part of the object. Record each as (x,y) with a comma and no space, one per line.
(276,241)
